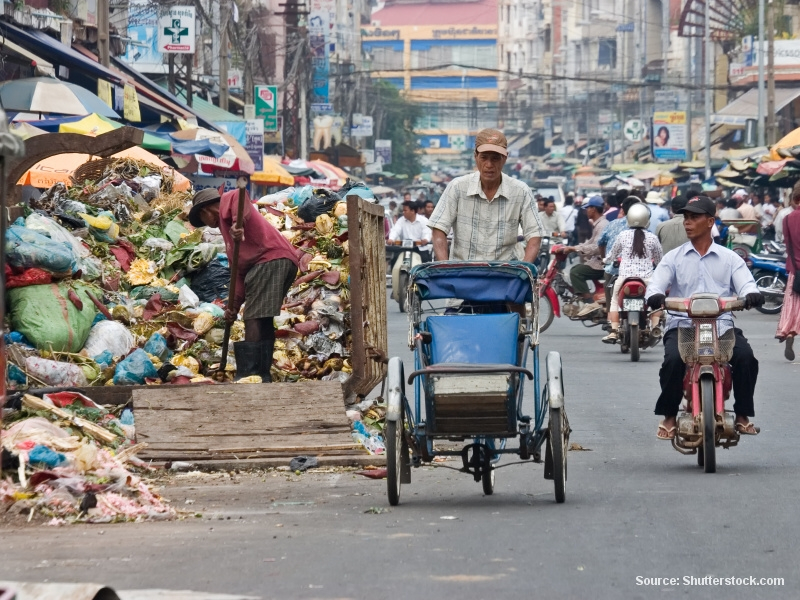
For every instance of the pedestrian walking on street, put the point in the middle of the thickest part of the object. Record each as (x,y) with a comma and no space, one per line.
(789,324)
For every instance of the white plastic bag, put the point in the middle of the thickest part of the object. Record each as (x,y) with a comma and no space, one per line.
(111,336)
(55,373)
(55,232)
(188,298)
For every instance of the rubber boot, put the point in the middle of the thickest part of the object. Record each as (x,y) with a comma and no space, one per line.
(266,350)
(248,359)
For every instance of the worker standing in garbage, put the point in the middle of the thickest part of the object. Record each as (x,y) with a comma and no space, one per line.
(267,268)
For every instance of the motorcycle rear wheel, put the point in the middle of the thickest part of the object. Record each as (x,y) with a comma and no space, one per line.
(403,291)
(709,425)
(770,281)
(634,341)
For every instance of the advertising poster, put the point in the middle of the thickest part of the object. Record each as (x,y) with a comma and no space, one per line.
(255,142)
(669,135)
(321,19)
(176,32)
(383,151)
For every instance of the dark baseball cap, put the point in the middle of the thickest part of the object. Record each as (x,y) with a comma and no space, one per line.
(701,205)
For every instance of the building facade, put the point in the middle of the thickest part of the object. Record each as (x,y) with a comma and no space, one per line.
(444,56)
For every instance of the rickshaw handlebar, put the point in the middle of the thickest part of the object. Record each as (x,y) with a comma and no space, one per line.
(453,369)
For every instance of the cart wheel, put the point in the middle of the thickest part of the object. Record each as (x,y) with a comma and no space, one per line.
(558,442)
(487,479)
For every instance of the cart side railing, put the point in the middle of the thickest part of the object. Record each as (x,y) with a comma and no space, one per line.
(367,297)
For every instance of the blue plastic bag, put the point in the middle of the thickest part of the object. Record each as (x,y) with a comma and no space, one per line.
(105,359)
(134,369)
(126,418)
(26,248)
(42,455)
(15,337)
(157,346)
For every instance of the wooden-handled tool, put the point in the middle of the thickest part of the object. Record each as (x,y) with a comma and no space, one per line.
(242,183)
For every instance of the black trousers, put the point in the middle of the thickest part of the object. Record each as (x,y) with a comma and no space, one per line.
(744,371)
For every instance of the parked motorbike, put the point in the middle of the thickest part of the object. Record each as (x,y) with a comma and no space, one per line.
(771,277)
(705,424)
(405,256)
(556,294)
(634,319)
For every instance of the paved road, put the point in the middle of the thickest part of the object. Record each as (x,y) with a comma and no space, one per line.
(635,507)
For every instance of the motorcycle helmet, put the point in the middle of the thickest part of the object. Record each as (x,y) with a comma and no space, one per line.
(638,216)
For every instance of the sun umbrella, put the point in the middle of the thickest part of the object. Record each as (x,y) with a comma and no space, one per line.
(272,173)
(48,95)
(96,124)
(234,160)
(25,130)
(327,170)
(790,140)
(59,168)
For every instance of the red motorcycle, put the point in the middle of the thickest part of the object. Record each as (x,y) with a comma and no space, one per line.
(634,319)
(705,424)
(553,285)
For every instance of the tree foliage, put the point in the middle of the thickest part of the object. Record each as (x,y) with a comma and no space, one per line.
(394,119)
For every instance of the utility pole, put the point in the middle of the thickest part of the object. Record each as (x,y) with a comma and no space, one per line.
(103,46)
(188,61)
(771,130)
(224,17)
(303,118)
(761,137)
(707,79)
(171,73)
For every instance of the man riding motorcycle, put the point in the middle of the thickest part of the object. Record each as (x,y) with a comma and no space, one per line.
(698,266)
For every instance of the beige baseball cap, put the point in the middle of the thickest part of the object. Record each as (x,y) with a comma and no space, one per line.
(491,140)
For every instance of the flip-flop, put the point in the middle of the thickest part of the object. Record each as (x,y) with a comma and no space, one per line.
(669,433)
(747,429)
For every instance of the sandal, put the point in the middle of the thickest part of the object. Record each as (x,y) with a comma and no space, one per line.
(788,351)
(747,429)
(611,338)
(669,433)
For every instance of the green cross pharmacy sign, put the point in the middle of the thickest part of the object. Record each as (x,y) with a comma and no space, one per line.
(176,30)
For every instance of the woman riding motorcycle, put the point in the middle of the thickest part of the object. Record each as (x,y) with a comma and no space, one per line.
(639,252)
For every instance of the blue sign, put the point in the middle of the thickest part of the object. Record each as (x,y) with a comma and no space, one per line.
(626,28)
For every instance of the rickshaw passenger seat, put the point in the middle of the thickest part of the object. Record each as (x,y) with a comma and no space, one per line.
(474,339)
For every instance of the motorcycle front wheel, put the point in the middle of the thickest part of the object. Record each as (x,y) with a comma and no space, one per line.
(709,425)
(546,313)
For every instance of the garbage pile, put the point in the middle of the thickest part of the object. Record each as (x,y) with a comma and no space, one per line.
(108,285)
(74,461)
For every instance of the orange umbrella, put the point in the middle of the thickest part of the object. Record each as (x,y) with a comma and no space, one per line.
(272,172)
(59,168)
(790,140)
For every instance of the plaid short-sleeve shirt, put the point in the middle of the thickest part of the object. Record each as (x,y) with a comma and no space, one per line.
(484,229)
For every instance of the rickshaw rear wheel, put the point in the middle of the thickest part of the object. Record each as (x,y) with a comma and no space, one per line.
(487,480)
(558,439)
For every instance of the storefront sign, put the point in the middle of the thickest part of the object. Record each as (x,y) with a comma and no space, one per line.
(176,31)
(131,108)
(254,143)
(267,106)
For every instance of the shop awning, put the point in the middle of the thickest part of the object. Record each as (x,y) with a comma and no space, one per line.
(43,67)
(746,106)
(516,146)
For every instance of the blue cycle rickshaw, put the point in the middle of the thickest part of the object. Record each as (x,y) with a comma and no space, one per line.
(470,364)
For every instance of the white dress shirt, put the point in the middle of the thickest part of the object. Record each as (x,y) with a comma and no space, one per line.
(684,272)
(418,229)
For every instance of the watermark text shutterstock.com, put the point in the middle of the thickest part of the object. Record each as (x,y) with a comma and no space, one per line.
(710,580)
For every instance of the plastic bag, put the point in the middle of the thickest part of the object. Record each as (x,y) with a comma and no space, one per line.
(103,227)
(188,298)
(321,202)
(158,244)
(357,188)
(203,254)
(157,346)
(203,323)
(28,277)
(211,282)
(134,369)
(104,360)
(47,226)
(111,336)
(42,455)
(300,195)
(49,319)
(149,187)
(26,249)
(57,374)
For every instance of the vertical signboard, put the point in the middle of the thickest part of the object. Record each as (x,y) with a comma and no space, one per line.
(267,106)
(254,144)
(383,151)
(669,135)
(176,32)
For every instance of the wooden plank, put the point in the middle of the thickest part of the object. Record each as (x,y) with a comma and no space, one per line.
(278,419)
